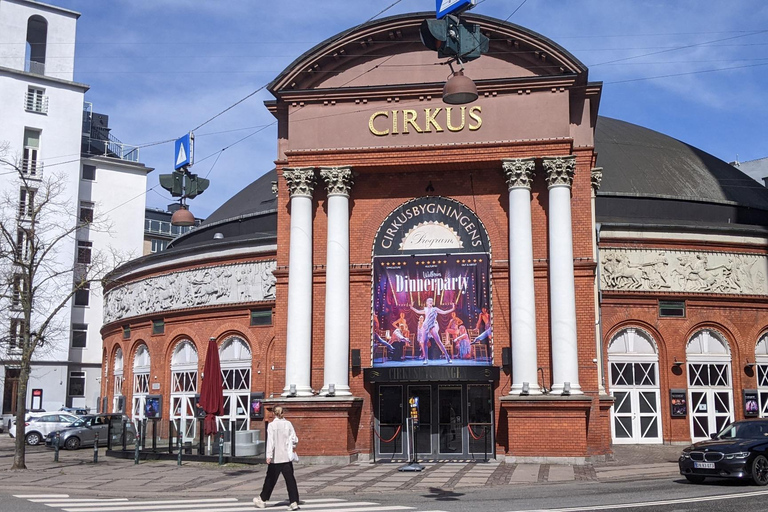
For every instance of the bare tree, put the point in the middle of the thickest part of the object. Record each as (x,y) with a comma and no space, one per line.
(41,270)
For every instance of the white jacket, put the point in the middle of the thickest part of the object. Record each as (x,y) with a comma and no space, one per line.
(281,440)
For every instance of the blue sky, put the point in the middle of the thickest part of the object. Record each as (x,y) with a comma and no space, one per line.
(162,67)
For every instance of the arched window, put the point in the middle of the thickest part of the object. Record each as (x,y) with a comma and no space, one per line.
(37,39)
(141,367)
(761,360)
(710,395)
(117,382)
(235,356)
(634,376)
(184,389)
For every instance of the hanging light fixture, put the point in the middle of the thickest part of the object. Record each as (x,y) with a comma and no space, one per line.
(459,89)
(182,217)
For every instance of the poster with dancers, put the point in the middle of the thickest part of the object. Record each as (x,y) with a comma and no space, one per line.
(432,310)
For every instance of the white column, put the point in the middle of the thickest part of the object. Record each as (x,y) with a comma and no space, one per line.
(298,344)
(562,305)
(336,366)
(519,173)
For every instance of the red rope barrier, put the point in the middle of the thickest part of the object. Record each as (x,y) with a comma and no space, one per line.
(476,438)
(391,438)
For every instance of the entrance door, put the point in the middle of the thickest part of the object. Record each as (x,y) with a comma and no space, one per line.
(710,412)
(455,421)
(636,416)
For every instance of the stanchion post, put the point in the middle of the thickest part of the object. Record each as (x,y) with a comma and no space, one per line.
(137,448)
(232,447)
(56,441)
(125,435)
(170,437)
(178,446)
(96,448)
(221,448)
(485,431)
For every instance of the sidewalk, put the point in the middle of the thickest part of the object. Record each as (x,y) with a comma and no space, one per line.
(110,477)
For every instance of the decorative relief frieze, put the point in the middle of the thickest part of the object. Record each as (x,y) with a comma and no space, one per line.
(519,172)
(559,170)
(301,180)
(208,286)
(683,271)
(338,180)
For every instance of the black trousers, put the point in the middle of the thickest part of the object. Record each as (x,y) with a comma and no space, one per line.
(273,472)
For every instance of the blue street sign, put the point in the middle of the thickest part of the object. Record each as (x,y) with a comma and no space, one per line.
(444,7)
(184,151)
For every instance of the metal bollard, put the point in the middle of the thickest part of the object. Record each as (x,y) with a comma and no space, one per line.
(221,448)
(178,445)
(138,446)
(56,442)
(96,448)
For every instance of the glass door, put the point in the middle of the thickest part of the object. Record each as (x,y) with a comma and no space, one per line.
(389,434)
(480,419)
(451,431)
(424,431)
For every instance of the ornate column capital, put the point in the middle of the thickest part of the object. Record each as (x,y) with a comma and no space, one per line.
(597,178)
(559,170)
(301,180)
(519,172)
(338,180)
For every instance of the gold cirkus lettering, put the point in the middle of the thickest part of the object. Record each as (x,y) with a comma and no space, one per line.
(409,118)
(431,121)
(373,128)
(452,128)
(474,114)
(394,122)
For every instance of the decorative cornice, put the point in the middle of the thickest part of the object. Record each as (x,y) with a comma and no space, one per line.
(597,178)
(301,180)
(519,172)
(338,180)
(559,170)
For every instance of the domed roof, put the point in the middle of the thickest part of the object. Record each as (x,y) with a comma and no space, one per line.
(649,176)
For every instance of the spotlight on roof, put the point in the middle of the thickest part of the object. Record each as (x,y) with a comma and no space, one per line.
(459,89)
(218,236)
(182,217)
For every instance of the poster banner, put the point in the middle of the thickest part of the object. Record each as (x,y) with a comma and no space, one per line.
(432,309)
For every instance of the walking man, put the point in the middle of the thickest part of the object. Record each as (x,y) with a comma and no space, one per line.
(281,440)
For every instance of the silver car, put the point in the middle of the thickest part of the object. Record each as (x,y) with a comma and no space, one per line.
(39,425)
(83,432)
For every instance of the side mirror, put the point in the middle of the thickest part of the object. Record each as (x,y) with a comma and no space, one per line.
(713,436)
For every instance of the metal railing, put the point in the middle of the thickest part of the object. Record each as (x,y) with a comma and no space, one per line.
(34,102)
(110,148)
(32,168)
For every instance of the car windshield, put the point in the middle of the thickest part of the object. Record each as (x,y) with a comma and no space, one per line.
(745,430)
(78,423)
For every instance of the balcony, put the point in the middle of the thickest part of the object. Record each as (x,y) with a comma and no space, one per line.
(112,148)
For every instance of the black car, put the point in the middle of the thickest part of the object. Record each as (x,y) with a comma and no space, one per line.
(740,450)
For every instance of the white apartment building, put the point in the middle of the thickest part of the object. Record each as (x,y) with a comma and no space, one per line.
(49,128)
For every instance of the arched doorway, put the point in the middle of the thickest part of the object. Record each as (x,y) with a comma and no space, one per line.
(710,393)
(184,389)
(118,400)
(761,363)
(141,367)
(235,356)
(633,361)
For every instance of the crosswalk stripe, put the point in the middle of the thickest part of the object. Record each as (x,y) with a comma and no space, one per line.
(348,506)
(75,501)
(27,496)
(154,505)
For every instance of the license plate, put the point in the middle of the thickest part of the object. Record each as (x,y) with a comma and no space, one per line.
(704,465)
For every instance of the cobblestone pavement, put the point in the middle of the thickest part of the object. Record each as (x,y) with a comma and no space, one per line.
(112,477)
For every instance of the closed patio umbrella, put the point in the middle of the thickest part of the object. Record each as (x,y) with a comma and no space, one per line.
(211,395)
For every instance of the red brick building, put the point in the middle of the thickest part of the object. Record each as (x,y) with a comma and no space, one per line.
(472,259)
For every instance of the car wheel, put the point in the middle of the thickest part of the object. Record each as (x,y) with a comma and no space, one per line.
(33,439)
(760,470)
(694,479)
(72,443)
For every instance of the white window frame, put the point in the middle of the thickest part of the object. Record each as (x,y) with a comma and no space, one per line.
(36,100)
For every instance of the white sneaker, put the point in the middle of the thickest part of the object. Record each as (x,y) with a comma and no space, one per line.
(293,506)
(258,503)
